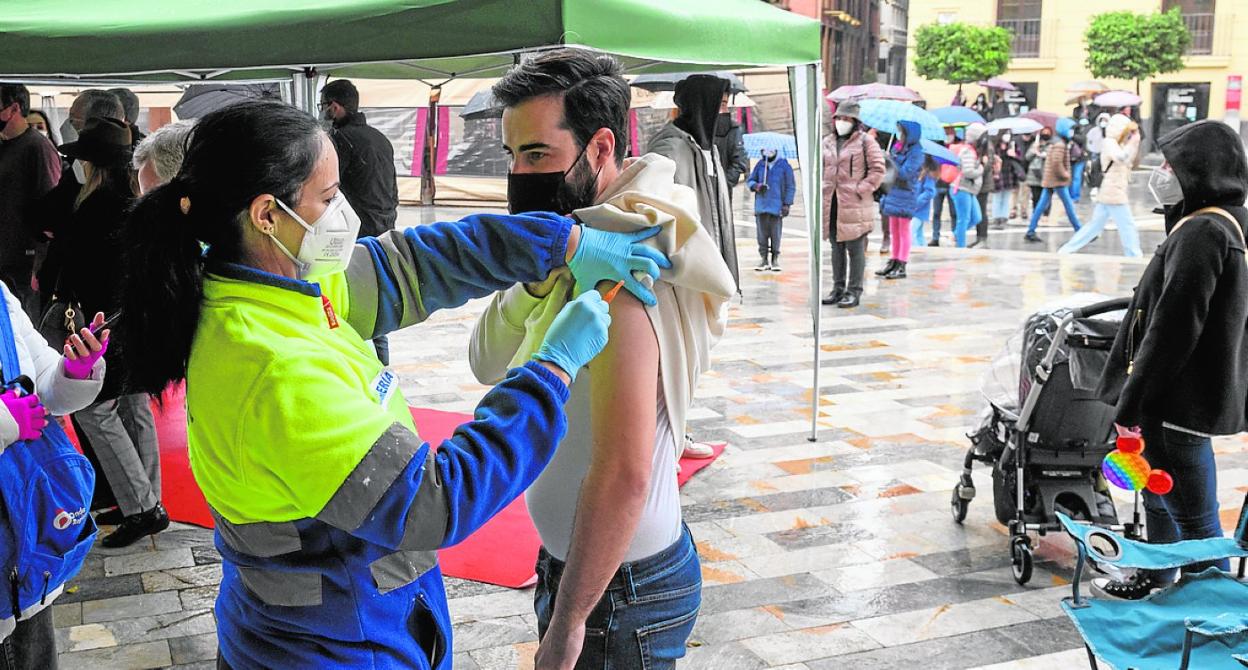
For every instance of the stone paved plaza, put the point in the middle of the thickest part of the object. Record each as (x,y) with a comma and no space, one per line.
(833,555)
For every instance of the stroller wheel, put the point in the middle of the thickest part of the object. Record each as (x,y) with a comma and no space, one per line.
(1021,559)
(958,505)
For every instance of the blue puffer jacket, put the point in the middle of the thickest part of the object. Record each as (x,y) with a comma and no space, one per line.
(903,199)
(781,187)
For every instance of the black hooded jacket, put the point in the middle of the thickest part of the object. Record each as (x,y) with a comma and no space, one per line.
(730,142)
(366,170)
(698,97)
(1181,355)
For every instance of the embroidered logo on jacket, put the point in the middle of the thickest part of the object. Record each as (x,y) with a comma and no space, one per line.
(64,519)
(384,386)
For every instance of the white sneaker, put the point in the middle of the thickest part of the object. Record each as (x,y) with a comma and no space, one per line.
(762,267)
(697,449)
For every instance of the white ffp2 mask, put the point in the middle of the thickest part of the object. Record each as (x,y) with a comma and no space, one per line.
(327,245)
(843,128)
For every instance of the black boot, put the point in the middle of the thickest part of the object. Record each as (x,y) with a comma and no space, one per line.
(898,272)
(137,526)
(888,267)
(934,243)
(775,262)
(834,297)
(850,301)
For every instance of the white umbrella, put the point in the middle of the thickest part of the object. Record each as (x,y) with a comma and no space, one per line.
(1018,124)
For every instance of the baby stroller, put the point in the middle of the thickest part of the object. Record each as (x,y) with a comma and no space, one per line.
(1044,432)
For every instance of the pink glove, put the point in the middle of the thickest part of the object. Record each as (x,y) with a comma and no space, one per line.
(80,366)
(28,412)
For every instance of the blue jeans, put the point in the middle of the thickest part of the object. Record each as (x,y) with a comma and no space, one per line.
(644,619)
(966,208)
(1127,231)
(32,645)
(916,229)
(999,202)
(1076,180)
(1190,510)
(1046,196)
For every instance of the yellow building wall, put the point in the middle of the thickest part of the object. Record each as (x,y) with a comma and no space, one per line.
(1063,52)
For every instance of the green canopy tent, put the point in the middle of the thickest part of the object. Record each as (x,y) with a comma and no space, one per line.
(197,41)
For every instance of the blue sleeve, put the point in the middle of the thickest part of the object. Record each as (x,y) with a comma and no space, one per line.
(790,185)
(754,175)
(401,277)
(909,168)
(472,476)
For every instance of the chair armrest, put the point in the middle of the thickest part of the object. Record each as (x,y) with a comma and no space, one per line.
(1223,625)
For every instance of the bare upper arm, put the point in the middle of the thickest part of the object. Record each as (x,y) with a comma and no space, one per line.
(624,388)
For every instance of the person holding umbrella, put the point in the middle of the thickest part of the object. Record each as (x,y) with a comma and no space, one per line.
(902,200)
(774,189)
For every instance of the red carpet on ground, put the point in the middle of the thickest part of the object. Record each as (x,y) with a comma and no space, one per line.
(502,552)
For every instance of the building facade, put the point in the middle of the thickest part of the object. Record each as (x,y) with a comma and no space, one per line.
(894,35)
(851,37)
(1049,54)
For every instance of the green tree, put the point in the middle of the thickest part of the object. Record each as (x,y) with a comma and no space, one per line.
(1126,45)
(960,53)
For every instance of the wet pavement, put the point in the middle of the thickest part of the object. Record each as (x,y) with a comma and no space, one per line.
(833,554)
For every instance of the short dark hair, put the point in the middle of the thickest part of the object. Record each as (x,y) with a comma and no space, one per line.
(343,92)
(129,103)
(595,94)
(11,93)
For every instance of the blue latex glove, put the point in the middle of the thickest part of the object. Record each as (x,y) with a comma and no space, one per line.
(578,333)
(604,256)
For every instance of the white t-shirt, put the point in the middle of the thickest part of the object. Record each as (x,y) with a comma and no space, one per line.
(553,497)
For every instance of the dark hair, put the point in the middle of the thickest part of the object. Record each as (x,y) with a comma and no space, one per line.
(98,103)
(52,134)
(234,155)
(11,93)
(129,103)
(595,94)
(343,92)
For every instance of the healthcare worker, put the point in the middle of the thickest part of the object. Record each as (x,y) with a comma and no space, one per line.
(328,506)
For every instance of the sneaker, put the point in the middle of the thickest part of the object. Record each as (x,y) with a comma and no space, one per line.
(898,271)
(696,449)
(1032,237)
(1137,586)
(137,526)
(849,301)
(763,266)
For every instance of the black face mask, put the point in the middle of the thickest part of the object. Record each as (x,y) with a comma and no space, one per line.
(552,191)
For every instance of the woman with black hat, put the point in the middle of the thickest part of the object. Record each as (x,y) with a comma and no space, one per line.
(84,267)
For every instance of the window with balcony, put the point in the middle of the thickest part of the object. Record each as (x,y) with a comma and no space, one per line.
(1022,18)
(1198,15)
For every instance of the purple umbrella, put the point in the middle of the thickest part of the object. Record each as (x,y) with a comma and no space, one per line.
(1046,119)
(998,83)
(1117,99)
(874,92)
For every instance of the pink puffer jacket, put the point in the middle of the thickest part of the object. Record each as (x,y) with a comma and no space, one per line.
(852,174)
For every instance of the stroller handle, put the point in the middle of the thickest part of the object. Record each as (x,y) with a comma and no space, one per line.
(1102,308)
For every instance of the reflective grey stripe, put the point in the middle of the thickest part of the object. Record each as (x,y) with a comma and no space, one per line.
(284,589)
(262,539)
(371,478)
(401,568)
(365,284)
(427,518)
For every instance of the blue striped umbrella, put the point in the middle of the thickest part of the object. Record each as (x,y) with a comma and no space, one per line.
(883,115)
(784,144)
(957,115)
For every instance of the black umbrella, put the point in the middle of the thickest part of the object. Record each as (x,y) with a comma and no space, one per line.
(201,99)
(667,82)
(482,105)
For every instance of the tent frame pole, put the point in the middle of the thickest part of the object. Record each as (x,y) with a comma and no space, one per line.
(807,100)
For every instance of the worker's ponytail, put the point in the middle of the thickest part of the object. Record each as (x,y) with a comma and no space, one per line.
(177,230)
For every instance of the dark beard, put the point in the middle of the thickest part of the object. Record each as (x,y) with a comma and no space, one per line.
(578,190)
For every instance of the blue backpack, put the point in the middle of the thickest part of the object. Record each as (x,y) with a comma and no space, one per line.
(46,528)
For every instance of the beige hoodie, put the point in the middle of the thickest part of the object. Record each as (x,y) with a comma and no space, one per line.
(692,296)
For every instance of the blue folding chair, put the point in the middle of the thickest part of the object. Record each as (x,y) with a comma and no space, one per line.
(1200,621)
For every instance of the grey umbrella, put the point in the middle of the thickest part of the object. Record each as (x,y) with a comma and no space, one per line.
(482,105)
(201,99)
(667,82)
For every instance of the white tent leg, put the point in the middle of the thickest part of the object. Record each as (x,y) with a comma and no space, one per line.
(305,88)
(807,103)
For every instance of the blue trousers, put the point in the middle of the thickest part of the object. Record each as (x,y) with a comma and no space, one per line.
(1046,196)
(966,208)
(916,227)
(1076,180)
(938,205)
(1127,231)
(1190,510)
(646,616)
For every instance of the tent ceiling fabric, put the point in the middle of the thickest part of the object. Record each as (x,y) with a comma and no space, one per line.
(156,40)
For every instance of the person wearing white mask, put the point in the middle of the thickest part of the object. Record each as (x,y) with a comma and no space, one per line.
(1177,373)
(328,506)
(853,168)
(1118,152)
